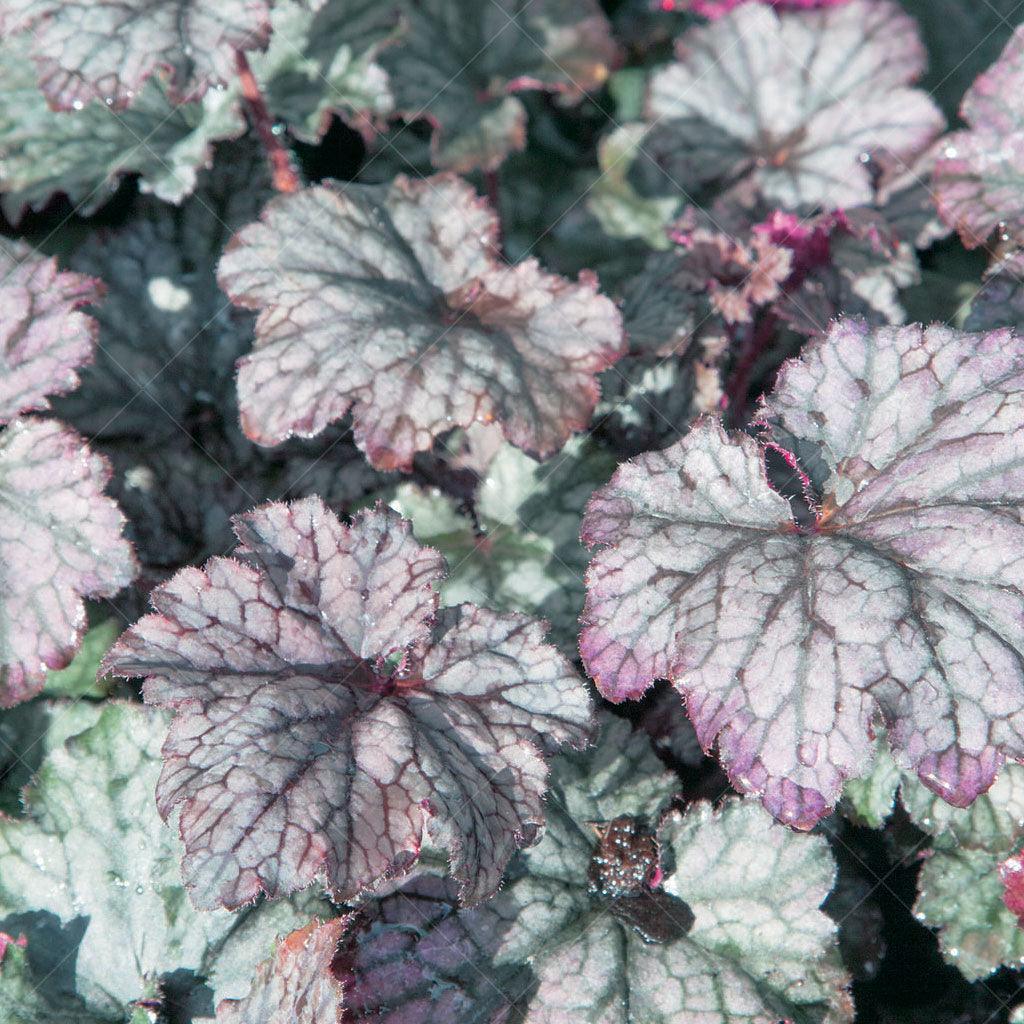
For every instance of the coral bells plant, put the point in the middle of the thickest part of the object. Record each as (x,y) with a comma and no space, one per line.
(511,511)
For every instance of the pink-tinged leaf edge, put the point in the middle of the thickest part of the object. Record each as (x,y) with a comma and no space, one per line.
(652,612)
(48,470)
(472,339)
(44,336)
(298,984)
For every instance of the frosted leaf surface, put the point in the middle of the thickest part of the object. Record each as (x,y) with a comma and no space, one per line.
(393,303)
(329,718)
(902,599)
(841,85)
(106,49)
(979,177)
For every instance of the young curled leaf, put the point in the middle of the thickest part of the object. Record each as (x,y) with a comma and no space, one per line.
(329,717)
(297,985)
(392,303)
(979,177)
(106,49)
(902,598)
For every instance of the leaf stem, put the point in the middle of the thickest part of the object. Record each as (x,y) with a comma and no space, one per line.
(739,384)
(285,177)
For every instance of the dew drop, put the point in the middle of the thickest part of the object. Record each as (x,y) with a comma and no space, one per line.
(77,105)
(139,890)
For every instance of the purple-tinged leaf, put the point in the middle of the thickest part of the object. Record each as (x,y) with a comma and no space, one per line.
(392,303)
(460,64)
(1000,300)
(733,933)
(60,541)
(848,264)
(295,986)
(106,49)
(979,177)
(840,91)
(903,598)
(328,717)
(44,339)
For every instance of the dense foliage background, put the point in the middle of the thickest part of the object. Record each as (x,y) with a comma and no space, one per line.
(398,286)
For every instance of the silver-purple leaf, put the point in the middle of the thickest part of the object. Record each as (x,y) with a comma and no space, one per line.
(329,718)
(979,177)
(106,49)
(393,303)
(44,339)
(295,986)
(903,599)
(840,90)
(999,302)
(60,541)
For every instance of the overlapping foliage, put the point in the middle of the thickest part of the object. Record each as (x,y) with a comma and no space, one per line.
(393,393)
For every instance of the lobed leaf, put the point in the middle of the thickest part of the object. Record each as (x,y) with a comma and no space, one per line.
(92,869)
(993,822)
(322,59)
(85,154)
(392,303)
(106,50)
(841,90)
(902,599)
(460,63)
(44,338)
(960,893)
(520,551)
(979,176)
(60,541)
(328,717)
